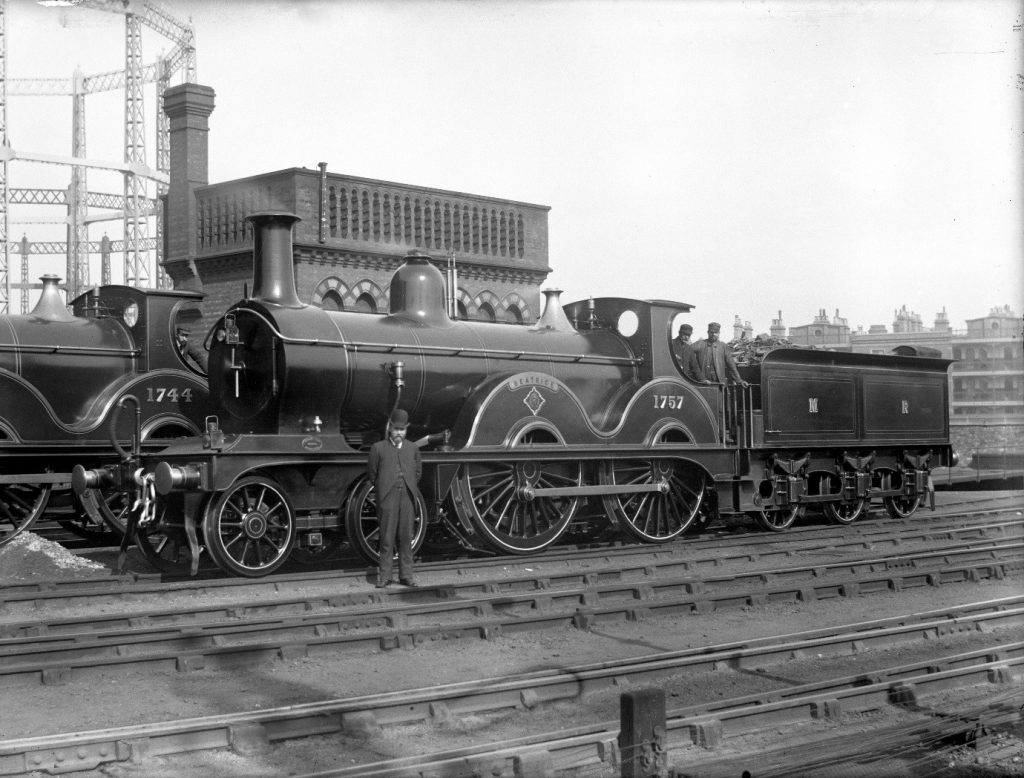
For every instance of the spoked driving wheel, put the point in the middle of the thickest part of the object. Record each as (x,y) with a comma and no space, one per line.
(250,528)
(496,498)
(778,519)
(363,526)
(654,516)
(20,506)
(82,524)
(113,506)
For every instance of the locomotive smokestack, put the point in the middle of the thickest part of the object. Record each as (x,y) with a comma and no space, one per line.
(273,272)
(554,317)
(50,305)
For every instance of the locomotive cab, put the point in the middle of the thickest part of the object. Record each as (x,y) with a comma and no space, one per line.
(156,318)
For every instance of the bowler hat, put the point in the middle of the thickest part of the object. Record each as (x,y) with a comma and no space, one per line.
(714,327)
(687,328)
(399,419)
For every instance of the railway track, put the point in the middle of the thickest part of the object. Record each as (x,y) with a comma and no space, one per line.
(998,664)
(243,625)
(704,551)
(61,651)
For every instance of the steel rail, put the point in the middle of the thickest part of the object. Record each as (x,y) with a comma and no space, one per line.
(529,689)
(576,749)
(65,658)
(35,596)
(568,749)
(654,560)
(652,563)
(854,753)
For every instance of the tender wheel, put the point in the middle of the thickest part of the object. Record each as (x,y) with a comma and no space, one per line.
(362,525)
(250,528)
(20,506)
(654,517)
(492,497)
(779,519)
(902,507)
(845,512)
(898,507)
(839,511)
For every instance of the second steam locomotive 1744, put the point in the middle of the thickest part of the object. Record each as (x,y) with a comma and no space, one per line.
(523,429)
(63,379)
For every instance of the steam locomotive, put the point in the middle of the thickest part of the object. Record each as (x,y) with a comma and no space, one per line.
(64,378)
(523,429)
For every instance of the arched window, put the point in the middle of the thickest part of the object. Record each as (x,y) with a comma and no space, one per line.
(365,303)
(486,313)
(513,316)
(462,313)
(332,301)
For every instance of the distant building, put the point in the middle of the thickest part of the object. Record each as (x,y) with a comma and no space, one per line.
(907,330)
(988,379)
(821,332)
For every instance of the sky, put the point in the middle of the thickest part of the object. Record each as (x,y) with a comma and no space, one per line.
(745,157)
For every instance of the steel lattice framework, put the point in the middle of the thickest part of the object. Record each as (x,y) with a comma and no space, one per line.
(135,207)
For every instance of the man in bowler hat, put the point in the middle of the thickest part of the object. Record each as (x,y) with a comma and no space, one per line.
(395,469)
(686,359)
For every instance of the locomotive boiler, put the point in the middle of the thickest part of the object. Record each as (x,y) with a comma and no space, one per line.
(524,429)
(64,377)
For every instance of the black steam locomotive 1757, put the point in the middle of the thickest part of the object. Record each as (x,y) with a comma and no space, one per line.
(524,429)
(65,377)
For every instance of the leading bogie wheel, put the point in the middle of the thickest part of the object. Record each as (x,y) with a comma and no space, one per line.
(494,498)
(655,516)
(163,541)
(249,528)
(20,506)
(363,527)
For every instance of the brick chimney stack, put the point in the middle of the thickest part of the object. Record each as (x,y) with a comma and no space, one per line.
(188,108)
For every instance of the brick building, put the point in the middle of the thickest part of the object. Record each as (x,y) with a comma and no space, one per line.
(354,231)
